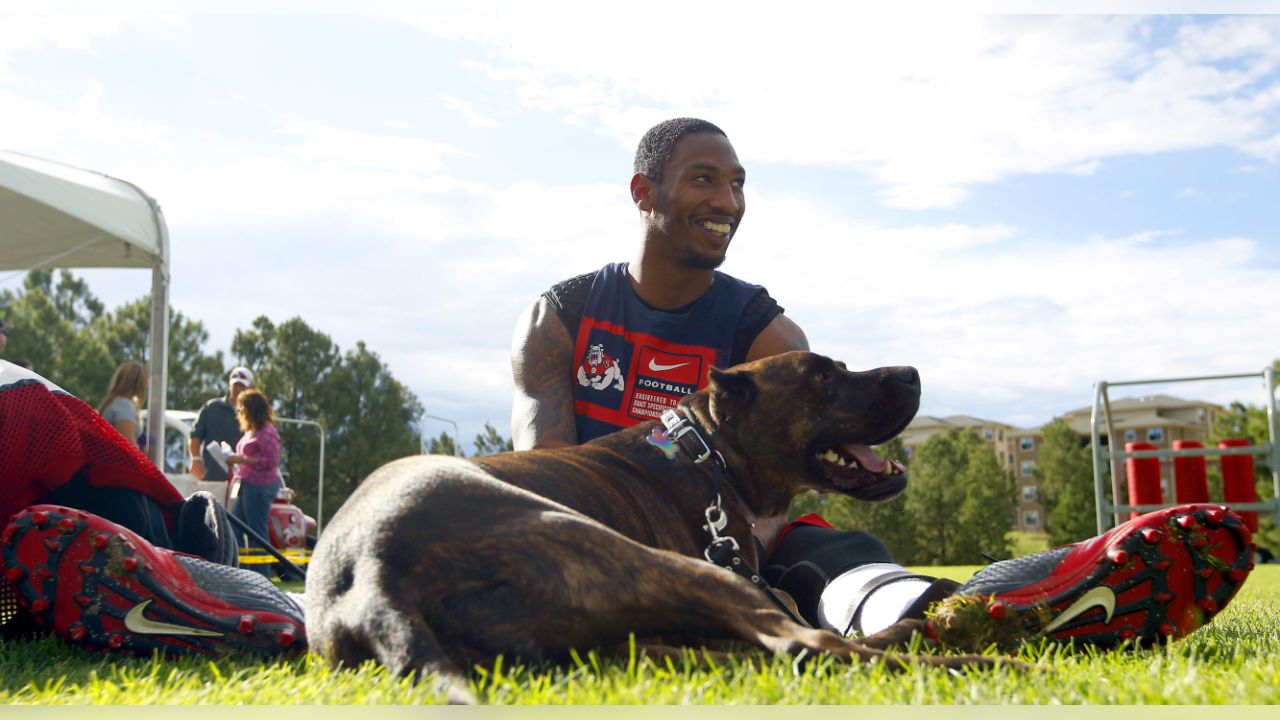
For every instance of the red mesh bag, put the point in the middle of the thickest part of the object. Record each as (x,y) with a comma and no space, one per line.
(47,436)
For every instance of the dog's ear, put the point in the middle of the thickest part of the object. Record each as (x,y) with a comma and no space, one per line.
(731,392)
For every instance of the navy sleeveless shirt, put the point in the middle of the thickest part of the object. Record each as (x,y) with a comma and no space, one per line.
(634,361)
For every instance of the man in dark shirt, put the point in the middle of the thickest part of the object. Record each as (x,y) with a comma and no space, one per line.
(217,422)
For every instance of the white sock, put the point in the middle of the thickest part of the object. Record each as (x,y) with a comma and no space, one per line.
(300,600)
(872,593)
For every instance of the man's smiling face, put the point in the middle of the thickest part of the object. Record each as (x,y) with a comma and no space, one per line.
(699,202)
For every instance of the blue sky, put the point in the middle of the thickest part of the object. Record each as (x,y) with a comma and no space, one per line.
(1017,205)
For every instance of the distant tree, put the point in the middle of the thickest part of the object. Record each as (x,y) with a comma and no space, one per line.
(960,500)
(1249,422)
(443,445)
(490,442)
(194,375)
(1064,469)
(49,327)
(888,520)
(370,420)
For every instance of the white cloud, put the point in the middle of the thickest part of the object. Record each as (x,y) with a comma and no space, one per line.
(928,108)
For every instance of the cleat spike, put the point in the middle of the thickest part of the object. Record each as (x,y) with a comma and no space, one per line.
(996,609)
(1118,556)
(1162,565)
(1208,605)
(66,526)
(84,600)
(9,532)
(1237,577)
(1128,634)
(53,545)
(1215,516)
(1205,573)
(1151,535)
(129,564)
(77,632)
(247,623)
(39,518)
(1187,522)
(100,541)
(115,641)
(1164,597)
(286,638)
(39,605)
(1168,629)
(87,569)
(1199,541)
(14,574)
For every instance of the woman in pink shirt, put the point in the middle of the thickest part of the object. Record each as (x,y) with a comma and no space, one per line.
(256,464)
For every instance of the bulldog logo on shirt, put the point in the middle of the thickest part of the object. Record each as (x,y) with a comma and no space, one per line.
(600,371)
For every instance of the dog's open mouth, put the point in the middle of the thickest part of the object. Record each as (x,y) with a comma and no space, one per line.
(858,468)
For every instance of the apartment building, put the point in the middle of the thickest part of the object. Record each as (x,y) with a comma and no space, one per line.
(1155,419)
(996,434)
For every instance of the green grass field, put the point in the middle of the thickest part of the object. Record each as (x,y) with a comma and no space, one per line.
(1233,660)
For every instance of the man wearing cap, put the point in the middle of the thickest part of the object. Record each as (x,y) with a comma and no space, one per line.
(217,422)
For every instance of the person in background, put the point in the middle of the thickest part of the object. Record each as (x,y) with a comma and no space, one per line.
(256,462)
(217,422)
(4,336)
(125,393)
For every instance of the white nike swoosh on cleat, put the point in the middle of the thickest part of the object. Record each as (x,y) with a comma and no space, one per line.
(136,622)
(1101,596)
(659,368)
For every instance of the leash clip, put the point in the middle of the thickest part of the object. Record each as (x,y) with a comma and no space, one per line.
(716,519)
(715,544)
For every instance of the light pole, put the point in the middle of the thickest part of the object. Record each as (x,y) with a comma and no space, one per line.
(422,424)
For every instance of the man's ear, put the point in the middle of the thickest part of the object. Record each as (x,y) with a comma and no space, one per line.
(642,192)
(731,392)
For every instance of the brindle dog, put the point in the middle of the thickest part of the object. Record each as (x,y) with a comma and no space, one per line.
(435,563)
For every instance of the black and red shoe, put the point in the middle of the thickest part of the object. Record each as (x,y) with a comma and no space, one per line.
(1160,575)
(101,586)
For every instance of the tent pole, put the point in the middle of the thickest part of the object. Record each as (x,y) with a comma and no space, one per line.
(159,361)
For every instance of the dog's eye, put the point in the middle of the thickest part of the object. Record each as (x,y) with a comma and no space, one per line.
(820,377)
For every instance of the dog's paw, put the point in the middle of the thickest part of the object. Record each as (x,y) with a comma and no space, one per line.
(897,635)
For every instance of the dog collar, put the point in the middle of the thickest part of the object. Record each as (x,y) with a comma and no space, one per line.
(681,428)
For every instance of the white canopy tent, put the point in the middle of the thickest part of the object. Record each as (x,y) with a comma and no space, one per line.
(57,216)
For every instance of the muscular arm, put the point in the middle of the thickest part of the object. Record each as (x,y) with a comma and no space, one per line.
(541,358)
(779,336)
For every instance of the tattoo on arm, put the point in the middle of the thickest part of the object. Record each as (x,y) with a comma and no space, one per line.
(541,361)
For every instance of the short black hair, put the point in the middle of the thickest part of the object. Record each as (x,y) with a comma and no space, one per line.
(657,145)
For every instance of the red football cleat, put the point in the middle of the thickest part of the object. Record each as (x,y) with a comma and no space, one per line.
(1160,575)
(101,586)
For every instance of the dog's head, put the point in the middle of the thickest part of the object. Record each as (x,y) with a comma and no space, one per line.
(807,416)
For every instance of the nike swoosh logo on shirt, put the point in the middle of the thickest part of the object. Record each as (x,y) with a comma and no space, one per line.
(659,368)
(136,622)
(1101,596)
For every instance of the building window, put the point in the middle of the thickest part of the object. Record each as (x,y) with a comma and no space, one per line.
(1031,519)
(1001,436)
(1029,493)
(1130,435)
(1028,466)
(1155,434)
(1026,443)
(987,433)
(1200,414)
